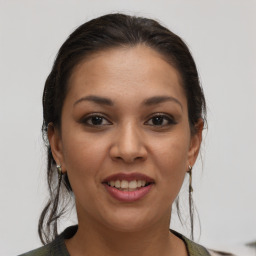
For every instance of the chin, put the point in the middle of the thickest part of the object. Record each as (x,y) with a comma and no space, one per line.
(130,221)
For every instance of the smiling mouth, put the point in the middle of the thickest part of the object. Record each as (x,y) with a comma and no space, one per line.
(125,185)
(128,187)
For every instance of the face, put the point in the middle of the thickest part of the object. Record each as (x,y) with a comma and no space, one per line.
(125,140)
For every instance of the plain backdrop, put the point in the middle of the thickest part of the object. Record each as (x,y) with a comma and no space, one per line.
(222,37)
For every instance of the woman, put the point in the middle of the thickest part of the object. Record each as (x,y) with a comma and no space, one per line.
(123,119)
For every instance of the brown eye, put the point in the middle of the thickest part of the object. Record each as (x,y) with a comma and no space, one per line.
(161,120)
(96,120)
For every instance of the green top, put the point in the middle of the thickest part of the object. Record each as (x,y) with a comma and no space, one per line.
(58,247)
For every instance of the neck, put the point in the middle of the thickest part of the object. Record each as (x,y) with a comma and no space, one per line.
(96,239)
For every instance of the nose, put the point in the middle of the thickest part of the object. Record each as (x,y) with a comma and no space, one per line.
(128,145)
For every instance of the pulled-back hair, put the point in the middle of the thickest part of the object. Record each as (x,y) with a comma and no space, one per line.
(105,32)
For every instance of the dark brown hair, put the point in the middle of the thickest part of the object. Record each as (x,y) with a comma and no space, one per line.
(105,32)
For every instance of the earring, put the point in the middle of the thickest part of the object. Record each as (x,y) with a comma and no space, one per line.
(190,179)
(191,208)
(59,171)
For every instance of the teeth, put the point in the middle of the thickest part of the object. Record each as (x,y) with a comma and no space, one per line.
(126,185)
(133,184)
(117,184)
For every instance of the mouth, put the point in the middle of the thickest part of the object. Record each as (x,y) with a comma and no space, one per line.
(128,187)
(125,185)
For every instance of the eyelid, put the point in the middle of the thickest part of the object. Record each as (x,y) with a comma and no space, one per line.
(171,120)
(169,117)
(85,118)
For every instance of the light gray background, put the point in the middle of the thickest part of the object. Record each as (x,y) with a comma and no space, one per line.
(222,37)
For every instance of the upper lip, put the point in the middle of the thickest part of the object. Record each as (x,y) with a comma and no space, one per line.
(128,177)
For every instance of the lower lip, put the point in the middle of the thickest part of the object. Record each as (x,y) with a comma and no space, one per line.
(128,196)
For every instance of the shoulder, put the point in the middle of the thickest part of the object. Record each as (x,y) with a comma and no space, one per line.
(194,249)
(42,251)
(57,247)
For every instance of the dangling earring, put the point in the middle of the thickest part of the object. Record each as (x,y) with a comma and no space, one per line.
(191,212)
(190,179)
(59,172)
(55,203)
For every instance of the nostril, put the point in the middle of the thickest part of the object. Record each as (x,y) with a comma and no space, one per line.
(128,152)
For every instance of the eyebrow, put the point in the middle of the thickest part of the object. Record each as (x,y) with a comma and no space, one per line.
(96,99)
(148,102)
(160,99)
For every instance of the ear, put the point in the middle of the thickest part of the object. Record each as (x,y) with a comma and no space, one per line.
(55,141)
(195,142)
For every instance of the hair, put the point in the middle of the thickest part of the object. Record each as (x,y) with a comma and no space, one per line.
(106,32)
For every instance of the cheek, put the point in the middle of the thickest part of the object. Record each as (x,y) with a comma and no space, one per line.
(171,158)
(80,149)
(83,156)
(171,151)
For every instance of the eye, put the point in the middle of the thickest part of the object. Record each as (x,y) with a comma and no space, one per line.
(161,120)
(95,120)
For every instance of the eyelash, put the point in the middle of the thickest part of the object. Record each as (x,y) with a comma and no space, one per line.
(85,120)
(170,120)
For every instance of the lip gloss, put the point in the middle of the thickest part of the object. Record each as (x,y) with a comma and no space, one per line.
(128,196)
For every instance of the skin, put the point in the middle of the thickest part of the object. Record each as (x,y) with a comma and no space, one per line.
(126,139)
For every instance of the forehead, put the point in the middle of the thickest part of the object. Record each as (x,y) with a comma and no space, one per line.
(123,72)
